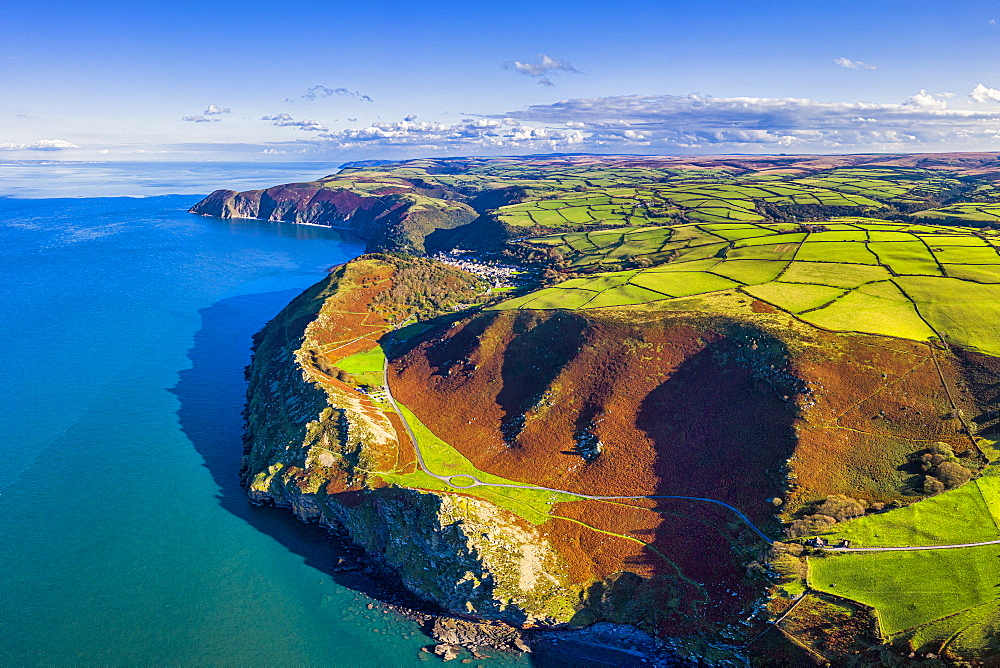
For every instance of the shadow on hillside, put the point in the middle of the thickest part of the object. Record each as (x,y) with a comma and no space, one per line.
(723,429)
(720,428)
(212,394)
(539,350)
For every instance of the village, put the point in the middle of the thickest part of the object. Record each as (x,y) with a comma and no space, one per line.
(499,275)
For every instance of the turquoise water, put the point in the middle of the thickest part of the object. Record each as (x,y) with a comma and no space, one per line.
(124,536)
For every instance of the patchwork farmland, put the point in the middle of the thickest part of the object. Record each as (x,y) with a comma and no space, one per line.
(699,355)
(922,282)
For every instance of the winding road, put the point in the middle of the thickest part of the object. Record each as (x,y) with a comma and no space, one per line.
(476,482)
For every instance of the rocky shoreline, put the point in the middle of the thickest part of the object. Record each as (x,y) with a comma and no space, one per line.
(468,639)
(602,644)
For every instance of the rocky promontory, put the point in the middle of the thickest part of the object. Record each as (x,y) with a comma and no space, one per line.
(638,454)
(394,217)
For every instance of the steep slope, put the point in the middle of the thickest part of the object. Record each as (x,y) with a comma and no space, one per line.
(621,402)
(317,445)
(391,216)
(611,446)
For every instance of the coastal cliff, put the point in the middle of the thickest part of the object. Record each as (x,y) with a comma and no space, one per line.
(312,442)
(662,429)
(618,402)
(392,218)
(339,456)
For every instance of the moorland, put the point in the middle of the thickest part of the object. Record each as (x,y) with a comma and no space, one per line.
(746,404)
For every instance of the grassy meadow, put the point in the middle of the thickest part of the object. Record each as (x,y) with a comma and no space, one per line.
(914,281)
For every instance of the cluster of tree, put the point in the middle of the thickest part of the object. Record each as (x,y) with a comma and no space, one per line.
(425,288)
(835,508)
(941,468)
(793,213)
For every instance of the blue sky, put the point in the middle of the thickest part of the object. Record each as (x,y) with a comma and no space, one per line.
(320,81)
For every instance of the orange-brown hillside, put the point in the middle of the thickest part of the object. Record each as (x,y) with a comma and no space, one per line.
(722,398)
(742,409)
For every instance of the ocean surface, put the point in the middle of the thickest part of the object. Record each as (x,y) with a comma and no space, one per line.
(125,324)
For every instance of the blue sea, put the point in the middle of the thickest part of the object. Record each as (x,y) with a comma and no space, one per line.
(125,325)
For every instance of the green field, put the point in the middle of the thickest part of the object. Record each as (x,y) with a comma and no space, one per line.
(918,281)
(909,589)
(610,207)
(442,459)
(973,212)
(366,366)
(573,198)
(973,633)
(967,514)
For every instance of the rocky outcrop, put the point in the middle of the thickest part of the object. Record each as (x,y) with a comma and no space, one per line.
(394,219)
(317,446)
(312,443)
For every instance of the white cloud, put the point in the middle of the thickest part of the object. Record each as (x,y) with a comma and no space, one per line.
(852,64)
(286,121)
(41,145)
(207,115)
(468,134)
(317,92)
(927,100)
(541,69)
(982,93)
(669,123)
(681,124)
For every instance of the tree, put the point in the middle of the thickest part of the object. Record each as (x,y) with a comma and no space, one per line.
(841,507)
(932,485)
(952,474)
(942,448)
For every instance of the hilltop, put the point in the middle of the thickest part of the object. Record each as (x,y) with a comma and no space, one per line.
(416,206)
(705,365)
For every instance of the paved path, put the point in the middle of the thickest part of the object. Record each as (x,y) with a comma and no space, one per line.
(476,482)
(907,548)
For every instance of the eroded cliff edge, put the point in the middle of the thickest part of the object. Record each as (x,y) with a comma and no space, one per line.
(719,397)
(391,214)
(316,444)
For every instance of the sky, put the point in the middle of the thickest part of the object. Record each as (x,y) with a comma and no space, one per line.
(261,80)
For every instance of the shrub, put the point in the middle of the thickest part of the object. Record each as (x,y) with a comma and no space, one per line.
(932,485)
(929,461)
(789,567)
(809,525)
(941,468)
(952,474)
(841,507)
(942,448)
